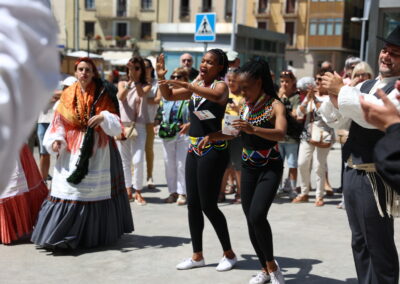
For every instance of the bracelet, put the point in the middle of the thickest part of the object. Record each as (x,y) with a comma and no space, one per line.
(136,83)
(127,86)
(163,78)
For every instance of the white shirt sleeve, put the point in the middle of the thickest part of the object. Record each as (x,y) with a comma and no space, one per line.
(111,124)
(29,70)
(332,116)
(349,104)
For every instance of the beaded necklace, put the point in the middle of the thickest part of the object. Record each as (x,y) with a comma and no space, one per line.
(82,114)
(259,113)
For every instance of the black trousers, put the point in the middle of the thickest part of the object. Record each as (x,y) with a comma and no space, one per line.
(203,180)
(373,245)
(258,190)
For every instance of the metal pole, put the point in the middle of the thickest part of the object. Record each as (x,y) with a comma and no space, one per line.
(233,34)
(363,22)
(88,45)
(205,47)
(76,25)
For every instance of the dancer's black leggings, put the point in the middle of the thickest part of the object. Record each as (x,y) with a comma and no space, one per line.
(203,180)
(259,188)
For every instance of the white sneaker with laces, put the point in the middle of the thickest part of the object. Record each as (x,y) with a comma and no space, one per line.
(189,263)
(226,264)
(277,276)
(261,278)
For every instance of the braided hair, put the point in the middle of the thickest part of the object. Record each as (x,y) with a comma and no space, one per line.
(256,69)
(222,60)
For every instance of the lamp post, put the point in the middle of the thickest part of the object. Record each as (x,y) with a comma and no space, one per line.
(363,23)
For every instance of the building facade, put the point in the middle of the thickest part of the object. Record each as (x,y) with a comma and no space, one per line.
(101,25)
(175,32)
(318,30)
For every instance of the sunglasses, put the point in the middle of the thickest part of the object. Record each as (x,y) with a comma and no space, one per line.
(136,68)
(176,77)
(188,60)
(361,75)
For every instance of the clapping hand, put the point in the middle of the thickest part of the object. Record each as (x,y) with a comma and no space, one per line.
(95,120)
(332,83)
(160,67)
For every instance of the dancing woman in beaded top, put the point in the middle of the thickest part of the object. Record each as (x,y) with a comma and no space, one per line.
(262,124)
(204,167)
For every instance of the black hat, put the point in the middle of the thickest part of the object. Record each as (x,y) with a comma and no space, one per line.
(393,38)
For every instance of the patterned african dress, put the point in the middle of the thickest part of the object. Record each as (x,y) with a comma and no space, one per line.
(96,210)
(258,152)
(21,200)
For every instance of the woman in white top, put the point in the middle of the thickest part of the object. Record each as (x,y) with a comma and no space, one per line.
(309,109)
(133,108)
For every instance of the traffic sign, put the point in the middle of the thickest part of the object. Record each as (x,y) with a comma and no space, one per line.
(205,27)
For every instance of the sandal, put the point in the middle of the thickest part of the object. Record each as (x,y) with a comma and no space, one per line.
(139,200)
(230,188)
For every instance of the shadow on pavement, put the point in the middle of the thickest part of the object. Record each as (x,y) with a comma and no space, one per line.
(303,275)
(128,243)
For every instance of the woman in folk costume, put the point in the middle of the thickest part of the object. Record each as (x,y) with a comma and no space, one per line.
(88,204)
(21,200)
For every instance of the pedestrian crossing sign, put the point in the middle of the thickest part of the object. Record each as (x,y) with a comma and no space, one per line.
(205,27)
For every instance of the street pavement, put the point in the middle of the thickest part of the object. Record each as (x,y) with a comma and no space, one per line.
(312,245)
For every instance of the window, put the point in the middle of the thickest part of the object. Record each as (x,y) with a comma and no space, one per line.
(228,8)
(121,29)
(321,29)
(290,6)
(147,4)
(338,28)
(121,8)
(207,6)
(289,30)
(89,29)
(262,25)
(328,27)
(313,28)
(90,4)
(185,10)
(145,31)
(262,6)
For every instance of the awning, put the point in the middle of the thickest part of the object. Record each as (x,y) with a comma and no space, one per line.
(82,53)
(117,57)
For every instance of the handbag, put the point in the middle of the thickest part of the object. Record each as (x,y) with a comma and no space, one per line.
(169,130)
(319,137)
(129,131)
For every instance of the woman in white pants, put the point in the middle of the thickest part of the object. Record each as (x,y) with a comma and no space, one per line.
(309,108)
(174,124)
(133,108)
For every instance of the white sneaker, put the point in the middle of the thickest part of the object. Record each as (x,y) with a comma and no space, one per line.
(226,264)
(277,276)
(261,278)
(189,264)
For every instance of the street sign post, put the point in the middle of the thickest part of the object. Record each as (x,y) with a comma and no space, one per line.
(205,28)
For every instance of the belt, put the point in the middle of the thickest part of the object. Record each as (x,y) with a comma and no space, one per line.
(369,167)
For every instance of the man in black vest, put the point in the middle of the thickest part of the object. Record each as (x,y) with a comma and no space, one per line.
(369,212)
(387,150)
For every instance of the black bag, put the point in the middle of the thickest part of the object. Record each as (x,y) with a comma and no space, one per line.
(294,128)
